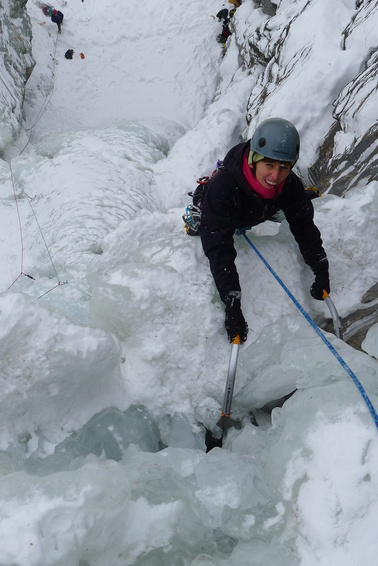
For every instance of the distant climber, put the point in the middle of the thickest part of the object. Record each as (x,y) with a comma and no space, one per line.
(56,16)
(236,4)
(222,14)
(226,32)
(69,54)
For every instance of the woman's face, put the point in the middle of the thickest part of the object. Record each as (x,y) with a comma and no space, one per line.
(271,173)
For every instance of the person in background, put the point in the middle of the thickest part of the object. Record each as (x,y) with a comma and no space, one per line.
(255,182)
(55,15)
(223,15)
(236,4)
(57,18)
(226,32)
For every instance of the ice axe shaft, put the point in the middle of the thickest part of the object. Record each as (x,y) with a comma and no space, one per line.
(335,316)
(225,422)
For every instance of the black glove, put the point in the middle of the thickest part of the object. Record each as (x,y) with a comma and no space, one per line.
(235,322)
(321,272)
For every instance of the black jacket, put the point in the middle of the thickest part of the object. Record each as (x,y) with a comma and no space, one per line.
(229,203)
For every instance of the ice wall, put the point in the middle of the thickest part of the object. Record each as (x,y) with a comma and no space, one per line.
(16,66)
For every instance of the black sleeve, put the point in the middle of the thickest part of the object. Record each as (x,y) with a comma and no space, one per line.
(299,213)
(218,220)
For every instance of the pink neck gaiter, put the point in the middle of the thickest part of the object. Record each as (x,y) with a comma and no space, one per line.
(257,187)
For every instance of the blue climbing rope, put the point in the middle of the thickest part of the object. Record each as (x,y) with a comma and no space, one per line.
(317,330)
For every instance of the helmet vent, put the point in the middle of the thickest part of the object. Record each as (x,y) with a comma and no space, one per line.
(262,142)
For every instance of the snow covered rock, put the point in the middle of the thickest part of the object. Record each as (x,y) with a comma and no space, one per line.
(317,67)
(16,66)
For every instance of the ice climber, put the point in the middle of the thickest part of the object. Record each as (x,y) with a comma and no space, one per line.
(254,183)
(55,15)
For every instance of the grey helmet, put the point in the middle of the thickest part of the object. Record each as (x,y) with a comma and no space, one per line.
(277,139)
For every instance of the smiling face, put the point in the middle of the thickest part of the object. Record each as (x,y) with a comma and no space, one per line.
(270,173)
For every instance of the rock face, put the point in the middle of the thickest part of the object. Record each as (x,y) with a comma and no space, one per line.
(349,155)
(288,53)
(16,66)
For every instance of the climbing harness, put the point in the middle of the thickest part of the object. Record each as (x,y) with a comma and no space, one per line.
(343,364)
(192,216)
(192,219)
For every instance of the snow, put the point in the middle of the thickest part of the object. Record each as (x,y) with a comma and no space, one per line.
(113,351)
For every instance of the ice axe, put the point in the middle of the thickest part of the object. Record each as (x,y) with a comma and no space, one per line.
(225,421)
(335,316)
